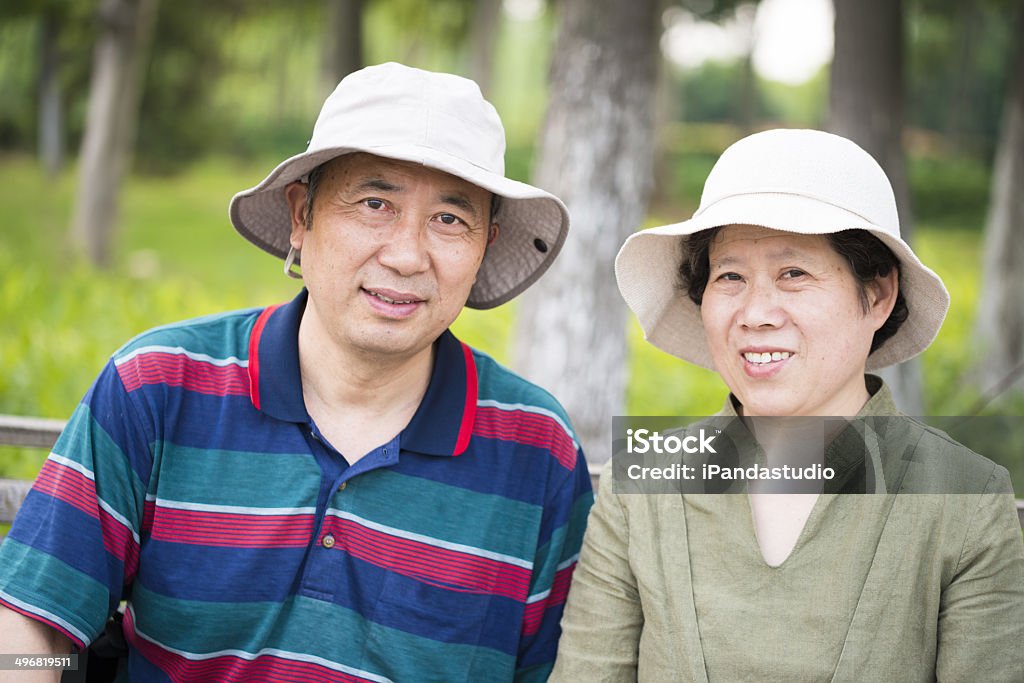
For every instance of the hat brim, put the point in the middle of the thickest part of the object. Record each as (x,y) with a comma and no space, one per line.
(647,271)
(533,223)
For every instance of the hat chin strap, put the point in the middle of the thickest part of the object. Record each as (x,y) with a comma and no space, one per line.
(289,261)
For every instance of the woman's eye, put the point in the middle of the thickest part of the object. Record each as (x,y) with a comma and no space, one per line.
(793,273)
(730,277)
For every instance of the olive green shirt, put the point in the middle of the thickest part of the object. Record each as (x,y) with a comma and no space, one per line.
(879,587)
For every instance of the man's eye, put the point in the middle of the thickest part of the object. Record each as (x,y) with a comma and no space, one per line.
(375,204)
(449,219)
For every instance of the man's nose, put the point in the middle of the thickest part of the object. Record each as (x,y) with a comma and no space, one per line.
(404,249)
(761,306)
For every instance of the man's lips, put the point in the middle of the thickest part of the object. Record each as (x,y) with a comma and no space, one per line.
(391,296)
(389,303)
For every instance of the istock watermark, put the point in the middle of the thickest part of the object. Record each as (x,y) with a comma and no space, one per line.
(867,455)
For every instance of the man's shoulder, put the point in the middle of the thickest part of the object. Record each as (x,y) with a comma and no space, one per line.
(499,387)
(217,336)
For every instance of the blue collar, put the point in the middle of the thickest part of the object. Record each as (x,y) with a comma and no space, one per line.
(443,422)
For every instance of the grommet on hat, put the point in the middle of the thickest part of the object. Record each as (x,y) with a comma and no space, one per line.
(435,119)
(802,181)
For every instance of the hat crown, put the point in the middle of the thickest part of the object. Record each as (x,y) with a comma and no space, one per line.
(391,105)
(807,163)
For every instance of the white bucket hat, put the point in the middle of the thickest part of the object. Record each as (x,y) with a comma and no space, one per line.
(802,181)
(438,120)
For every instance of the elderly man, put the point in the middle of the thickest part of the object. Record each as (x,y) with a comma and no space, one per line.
(335,488)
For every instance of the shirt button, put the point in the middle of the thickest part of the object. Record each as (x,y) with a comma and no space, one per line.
(343,485)
(328,541)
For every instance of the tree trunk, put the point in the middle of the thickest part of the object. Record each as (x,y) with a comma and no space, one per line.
(960,109)
(596,153)
(125,30)
(343,43)
(866,106)
(51,111)
(483,35)
(1000,325)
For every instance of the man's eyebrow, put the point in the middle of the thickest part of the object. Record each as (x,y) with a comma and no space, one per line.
(378,184)
(460,201)
(456,199)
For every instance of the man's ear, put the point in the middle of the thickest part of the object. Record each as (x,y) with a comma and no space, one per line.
(295,194)
(493,233)
(882,293)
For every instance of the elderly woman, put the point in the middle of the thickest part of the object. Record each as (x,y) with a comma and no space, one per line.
(792,281)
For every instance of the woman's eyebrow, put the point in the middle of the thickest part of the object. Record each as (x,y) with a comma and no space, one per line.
(783,254)
(725,261)
(787,253)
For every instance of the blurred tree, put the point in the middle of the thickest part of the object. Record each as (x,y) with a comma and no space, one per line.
(866,98)
(1000,324)
(596,153)
(125,30)
(343,41)
(51,109)
(483,33)
(54,44)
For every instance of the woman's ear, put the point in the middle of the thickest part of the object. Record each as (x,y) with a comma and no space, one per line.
(882,293)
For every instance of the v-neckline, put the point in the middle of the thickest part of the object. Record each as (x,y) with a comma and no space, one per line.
(808,530)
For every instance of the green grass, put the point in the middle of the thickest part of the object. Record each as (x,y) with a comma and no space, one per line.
(177,256)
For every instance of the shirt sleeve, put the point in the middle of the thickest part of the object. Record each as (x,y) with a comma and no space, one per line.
(603,616)
(562,526)
(981,613)
(73,548)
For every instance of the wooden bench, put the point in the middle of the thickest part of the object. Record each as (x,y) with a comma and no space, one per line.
(27,432)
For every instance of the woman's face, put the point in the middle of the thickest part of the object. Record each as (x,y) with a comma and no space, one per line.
(785,322)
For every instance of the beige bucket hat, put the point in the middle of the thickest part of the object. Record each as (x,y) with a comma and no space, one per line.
(435,119)
(803,181)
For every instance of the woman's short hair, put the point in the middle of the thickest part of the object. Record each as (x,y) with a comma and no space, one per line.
(867,255)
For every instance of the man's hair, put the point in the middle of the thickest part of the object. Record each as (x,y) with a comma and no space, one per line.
(313,182)
(868,256)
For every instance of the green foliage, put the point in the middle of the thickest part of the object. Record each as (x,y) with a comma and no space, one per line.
(957,69)
(520,65)
(17,109)
(949,192)
(798,105)
(713,92)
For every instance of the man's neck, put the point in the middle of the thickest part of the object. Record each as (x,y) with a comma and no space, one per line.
(358,400)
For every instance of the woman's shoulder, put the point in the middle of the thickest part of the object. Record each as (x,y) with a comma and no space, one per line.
(937,463)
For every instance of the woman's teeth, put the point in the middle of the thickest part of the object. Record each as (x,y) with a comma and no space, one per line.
(766,357)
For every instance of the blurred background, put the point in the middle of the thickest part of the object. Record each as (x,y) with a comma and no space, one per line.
(127,125)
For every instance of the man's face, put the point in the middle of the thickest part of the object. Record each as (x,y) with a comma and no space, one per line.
(392,253)
(794,298)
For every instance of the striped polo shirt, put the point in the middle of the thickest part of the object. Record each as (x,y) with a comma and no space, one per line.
(192,483)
